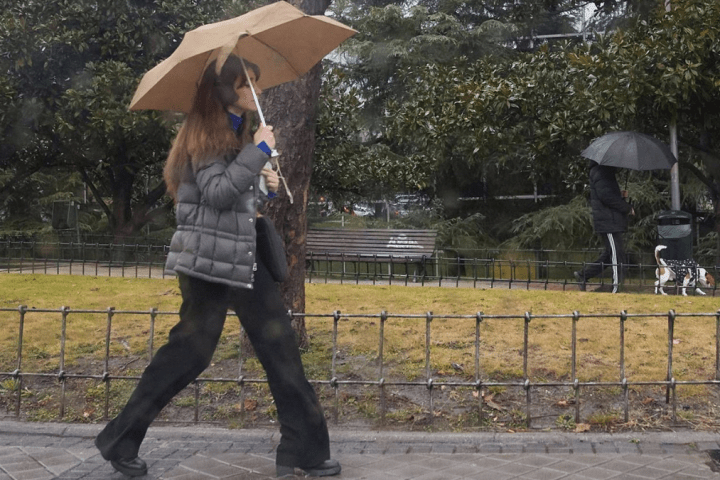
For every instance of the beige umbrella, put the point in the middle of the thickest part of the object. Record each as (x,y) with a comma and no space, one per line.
(282,40)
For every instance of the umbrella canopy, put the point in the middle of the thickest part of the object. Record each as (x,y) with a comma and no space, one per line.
(282,40)
(632,150)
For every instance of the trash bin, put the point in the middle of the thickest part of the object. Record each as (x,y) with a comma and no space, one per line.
(675,232)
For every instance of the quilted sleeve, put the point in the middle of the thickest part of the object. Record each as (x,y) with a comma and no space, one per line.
(222,183)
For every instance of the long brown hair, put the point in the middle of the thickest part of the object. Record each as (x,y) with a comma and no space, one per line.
(206,132)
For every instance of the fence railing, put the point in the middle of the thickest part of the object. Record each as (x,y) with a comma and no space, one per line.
(493,268)
(98,259)
(384,377)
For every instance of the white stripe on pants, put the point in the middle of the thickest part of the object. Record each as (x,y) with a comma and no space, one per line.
(615,263)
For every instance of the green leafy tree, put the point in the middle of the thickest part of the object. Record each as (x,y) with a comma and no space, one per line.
(69,69)
(532,115)
(384,71)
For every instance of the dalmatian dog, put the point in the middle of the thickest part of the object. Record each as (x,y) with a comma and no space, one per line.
(686,271)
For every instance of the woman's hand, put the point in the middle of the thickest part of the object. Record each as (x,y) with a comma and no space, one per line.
(265,134)
(271,178)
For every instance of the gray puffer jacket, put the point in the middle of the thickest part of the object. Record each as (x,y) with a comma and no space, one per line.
(215,236)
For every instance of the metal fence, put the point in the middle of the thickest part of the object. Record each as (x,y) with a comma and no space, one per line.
(492,268)
(98,259)
(495,269)
(431,383)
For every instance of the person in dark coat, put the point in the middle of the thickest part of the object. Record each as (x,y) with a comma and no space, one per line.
(610,213)
(213,173)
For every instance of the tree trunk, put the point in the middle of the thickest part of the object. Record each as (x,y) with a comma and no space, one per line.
(122,183)
(291,109)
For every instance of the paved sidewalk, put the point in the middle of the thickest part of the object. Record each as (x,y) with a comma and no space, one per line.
(32,451)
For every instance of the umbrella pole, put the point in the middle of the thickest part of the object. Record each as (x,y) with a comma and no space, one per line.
(252,89)
(273,153)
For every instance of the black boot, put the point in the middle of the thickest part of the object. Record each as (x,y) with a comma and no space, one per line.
(325,469)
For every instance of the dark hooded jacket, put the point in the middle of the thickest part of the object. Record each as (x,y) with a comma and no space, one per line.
(609,209)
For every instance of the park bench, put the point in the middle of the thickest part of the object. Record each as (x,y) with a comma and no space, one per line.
(372,248)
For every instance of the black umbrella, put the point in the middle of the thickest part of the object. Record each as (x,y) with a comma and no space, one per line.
(633,150)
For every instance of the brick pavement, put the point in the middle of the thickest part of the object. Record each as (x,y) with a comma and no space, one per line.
(31,451)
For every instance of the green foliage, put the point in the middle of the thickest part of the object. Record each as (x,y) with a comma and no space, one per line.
(495,120)
(463,235)
(69,69)
(563,227)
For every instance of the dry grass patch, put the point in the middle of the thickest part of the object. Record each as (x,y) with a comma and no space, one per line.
(452,347)
(550,339)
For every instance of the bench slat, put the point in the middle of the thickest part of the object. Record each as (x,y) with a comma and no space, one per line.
(401,244)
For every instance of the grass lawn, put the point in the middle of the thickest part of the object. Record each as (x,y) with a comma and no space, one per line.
(452,339)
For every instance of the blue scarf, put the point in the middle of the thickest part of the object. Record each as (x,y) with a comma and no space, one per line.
(235,120)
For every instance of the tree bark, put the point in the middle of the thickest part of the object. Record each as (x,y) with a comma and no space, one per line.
(291,109)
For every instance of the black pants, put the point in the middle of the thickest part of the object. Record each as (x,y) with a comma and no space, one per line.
(613,256)
(304,437)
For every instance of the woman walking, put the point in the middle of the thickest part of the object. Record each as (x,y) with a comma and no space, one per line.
(214,173)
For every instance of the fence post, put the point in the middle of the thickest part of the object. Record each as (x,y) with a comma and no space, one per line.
(573,365)
(16,374)
(623,380)
(492,277)
(381,381)
(333,374)
(312,267)
(241,377)
(478,382)
(475,274)
(717,345)
(106,373)
(151,337)
(61,372)
(428,369)
(328,265)
(22,255)
(670,388)
(342,267)
(526,384)
(196,385)
(529,274)
(357,269)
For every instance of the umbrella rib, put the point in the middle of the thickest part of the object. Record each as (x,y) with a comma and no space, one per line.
(297,74)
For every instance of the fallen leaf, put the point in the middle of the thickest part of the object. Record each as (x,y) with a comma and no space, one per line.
(250,404)
(494,405)
(582,427)
(457,366)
